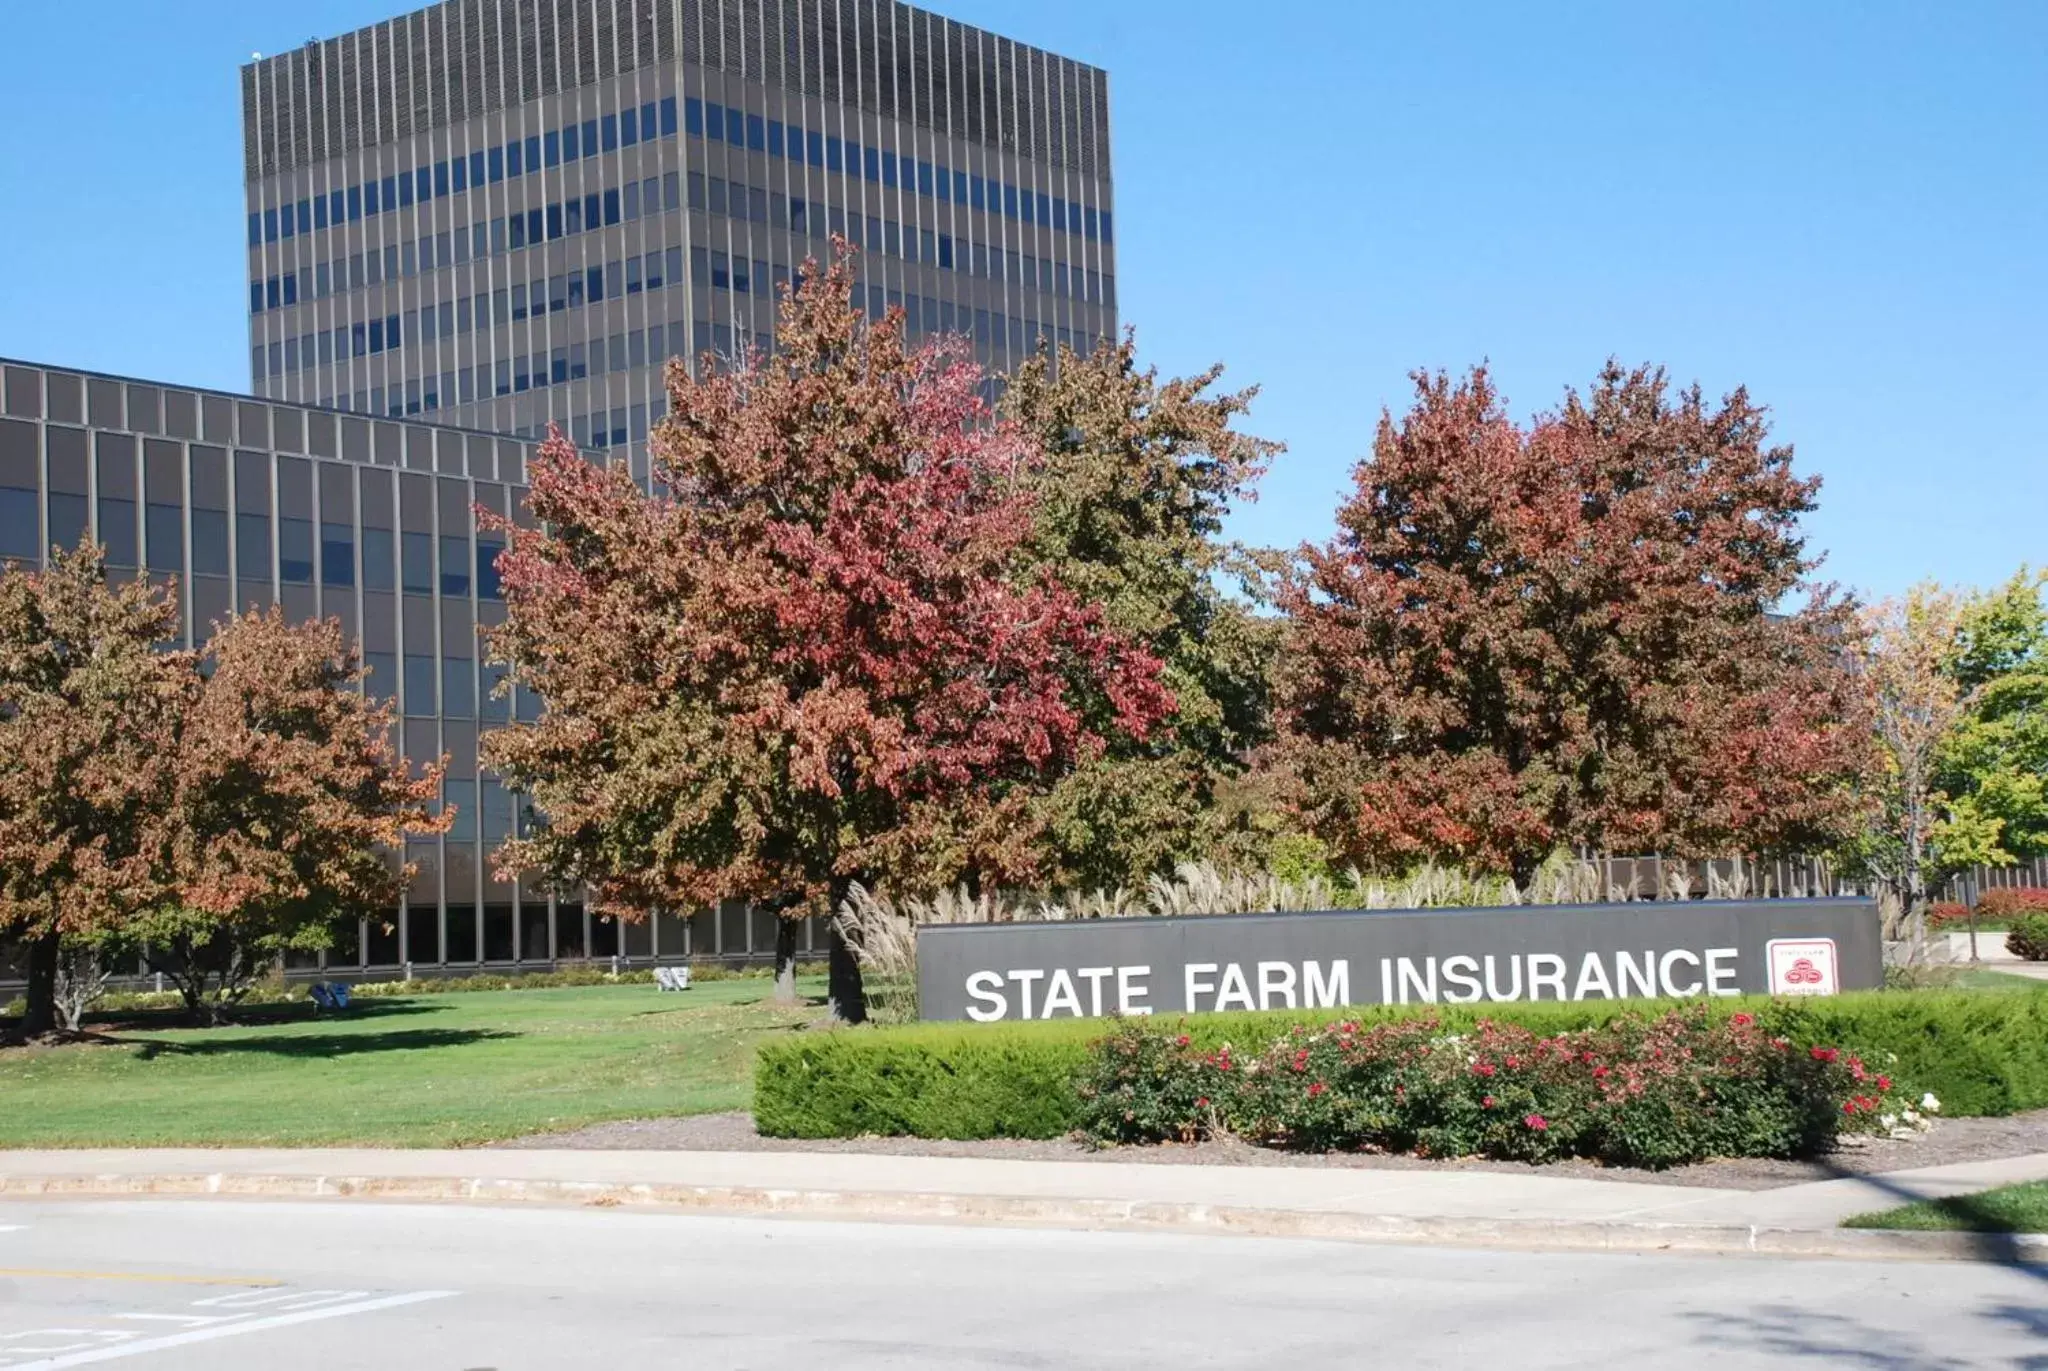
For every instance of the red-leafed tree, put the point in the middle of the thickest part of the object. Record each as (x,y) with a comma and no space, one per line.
(285,798)
(1526,639)
(815,654)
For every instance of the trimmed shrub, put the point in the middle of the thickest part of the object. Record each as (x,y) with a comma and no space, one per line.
(1944,913)
(1980,1053)
(2028,938)
(1655,1092)
(2012,902)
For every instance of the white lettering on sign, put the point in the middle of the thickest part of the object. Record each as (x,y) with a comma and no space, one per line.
(1320,990)
(1060,992)
(1130,994)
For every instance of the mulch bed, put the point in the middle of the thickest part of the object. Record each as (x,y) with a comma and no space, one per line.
(1949,1141)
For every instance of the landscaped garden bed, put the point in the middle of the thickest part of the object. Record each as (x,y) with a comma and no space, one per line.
(1978,1054)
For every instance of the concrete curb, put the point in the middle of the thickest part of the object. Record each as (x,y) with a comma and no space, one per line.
(1049,1212)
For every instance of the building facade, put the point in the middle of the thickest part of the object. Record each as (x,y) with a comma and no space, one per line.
(501,215)
(245,502)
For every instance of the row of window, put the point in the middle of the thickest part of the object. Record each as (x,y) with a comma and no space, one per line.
(924,317)
(143,509)
(705,119)
(396,261)
(606,133)
(456,318)
(510,161)
(714,195)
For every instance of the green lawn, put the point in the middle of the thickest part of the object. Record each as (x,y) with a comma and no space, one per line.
(2008,1209)
(433,1070)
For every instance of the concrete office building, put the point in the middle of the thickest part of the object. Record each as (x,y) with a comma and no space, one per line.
(246,502)
(504,214)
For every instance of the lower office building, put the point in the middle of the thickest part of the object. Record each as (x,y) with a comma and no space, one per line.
(246,502)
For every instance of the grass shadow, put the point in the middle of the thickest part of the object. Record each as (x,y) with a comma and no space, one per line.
(1989,1235)
(320,1046)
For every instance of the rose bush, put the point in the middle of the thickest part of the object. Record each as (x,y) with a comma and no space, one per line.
(1651,1092)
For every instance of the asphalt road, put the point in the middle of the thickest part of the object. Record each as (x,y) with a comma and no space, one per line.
(225,1285)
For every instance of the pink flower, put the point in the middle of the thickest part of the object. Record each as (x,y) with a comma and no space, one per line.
(1743,1020)
(1537,1122)
(1316,1088)
(1202,1102)
(1181,1041)
(1848,1106)
(1482,1068)
(1599,1073)
(1884,1082)
(1825,1054)
(1486,1103)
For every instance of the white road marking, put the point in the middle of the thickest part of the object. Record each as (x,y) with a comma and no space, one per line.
(10,1228)
(138,1347)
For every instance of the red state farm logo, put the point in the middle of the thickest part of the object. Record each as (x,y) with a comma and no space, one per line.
(1803,966)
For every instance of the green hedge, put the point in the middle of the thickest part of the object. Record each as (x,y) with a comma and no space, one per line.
(1981,1053)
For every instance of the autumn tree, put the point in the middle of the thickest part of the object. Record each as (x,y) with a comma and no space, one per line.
(1914,838)
(1138,478)
(1523,639)
(807,659)
(1994,764)
(284,803)
(88,708)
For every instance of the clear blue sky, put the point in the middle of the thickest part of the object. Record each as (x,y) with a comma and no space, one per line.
(1843,205)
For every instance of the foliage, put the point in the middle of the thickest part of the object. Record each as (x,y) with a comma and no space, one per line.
(214,807)
(2027,939)
(1943,913)
(1638,1091)
(285,797)
(1521,640)
(2011,901)
(88,707)
(810,657)
(1980,1052)
(1130,499)
(428,1070)
(1913,838)
(1993,764)
(1142,1085)
(2021,1208)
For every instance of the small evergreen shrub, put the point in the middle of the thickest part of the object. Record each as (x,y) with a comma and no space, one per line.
(2028,938)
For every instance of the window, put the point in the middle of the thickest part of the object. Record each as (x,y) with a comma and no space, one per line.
(693,123)
(337,555)
(382,682)
(252,547)
(458,691)
(378,557)
(487,549)
(419,685)
(454,565)
(295,550)
(417,571)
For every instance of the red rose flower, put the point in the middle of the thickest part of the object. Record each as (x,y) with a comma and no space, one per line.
(1537,1122)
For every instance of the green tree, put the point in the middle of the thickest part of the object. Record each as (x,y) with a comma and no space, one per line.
(1993,767)
(1138,478)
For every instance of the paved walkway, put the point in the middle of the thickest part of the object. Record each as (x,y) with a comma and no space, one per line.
(1448,1205)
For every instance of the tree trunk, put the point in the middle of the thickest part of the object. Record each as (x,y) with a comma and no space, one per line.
(843,987)
(40,1016)
(785,958)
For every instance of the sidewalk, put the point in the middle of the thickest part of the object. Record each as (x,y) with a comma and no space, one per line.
(1461,1207)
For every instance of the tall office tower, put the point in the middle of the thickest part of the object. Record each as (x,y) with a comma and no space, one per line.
(502,213)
